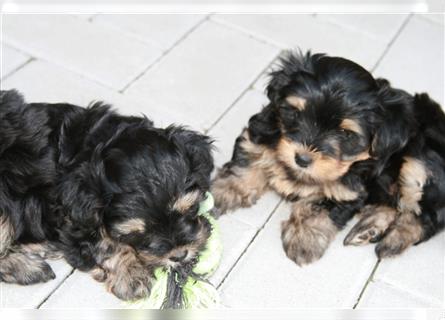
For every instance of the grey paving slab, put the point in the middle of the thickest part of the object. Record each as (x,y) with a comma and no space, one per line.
(415,61)
(91,50)
(11,60)
(160,30)
(61,85)
(435,17)
(268,279)
(80,291)
(16,296)
(205,73)
(230,126)
(382,27)
(384,296)
(418,271)
(306,32)
(236,236)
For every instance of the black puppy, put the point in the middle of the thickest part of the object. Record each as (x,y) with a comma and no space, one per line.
(335,142)
(115,195)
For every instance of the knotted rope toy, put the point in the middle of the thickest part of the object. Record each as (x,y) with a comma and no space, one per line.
(187,286)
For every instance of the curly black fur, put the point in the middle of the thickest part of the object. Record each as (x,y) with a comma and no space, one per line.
(97,185)
(339,118)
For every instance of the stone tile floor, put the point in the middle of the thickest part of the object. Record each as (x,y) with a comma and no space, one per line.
(209,72)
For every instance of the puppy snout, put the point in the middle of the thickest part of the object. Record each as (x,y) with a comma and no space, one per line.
(303,160)
(179,256)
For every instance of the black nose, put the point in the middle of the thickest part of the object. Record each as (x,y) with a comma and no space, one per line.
(303,160)
(179,255)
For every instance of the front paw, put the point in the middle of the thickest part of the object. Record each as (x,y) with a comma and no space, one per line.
(306,241)
(130,287)
(372,226)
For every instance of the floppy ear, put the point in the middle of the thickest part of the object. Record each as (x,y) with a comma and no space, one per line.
(264,126)
(395,123)
(291,66)
(198,149)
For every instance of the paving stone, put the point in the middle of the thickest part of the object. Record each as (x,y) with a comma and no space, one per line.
(238,228)
(309,33)
(419,270)
(60,85)
(16,296)
(382,27)
(415,61)
(81,291)
(381,295)
(268,279)
(205,73)
(236,236)
(160,30)
(435,17)
(94,51)
(11,60)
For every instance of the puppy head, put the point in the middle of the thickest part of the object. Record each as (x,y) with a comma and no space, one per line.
(154,182)
(325,109)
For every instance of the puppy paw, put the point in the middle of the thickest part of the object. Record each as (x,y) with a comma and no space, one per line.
(306,241)
(25,269)
(404,233)
(99,274)
(229,196)
(372,226)
(130,287)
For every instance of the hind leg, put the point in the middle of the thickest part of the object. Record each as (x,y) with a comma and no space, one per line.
(24,268)
(19,263)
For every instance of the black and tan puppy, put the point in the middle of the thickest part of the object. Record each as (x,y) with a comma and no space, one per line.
(113,194)
(335,142)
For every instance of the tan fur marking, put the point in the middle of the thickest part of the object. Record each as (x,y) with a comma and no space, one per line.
(184,202)
(129,226)
(338,191)
(6,234)
(351,125)
(43,249)
(413,176)
(323,168)
(296,102)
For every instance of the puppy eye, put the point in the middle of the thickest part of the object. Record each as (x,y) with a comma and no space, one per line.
(346,132)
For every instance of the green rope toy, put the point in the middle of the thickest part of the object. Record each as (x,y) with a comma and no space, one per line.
(188,287)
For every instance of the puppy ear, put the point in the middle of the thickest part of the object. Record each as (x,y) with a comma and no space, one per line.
(292,66)
(394,124)
(198,149)
(264,127)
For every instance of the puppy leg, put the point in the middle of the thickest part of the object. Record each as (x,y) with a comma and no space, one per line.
(374,222)
(308,233)
(242,181)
